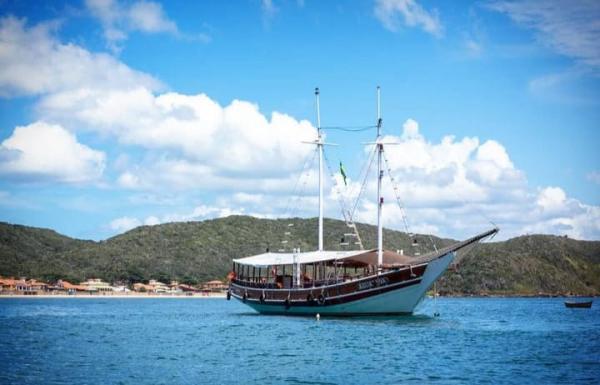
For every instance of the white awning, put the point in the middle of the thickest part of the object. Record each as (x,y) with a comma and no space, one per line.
(354,256)
(269,259)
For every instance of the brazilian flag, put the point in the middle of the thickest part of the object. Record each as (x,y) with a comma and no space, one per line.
(343,172)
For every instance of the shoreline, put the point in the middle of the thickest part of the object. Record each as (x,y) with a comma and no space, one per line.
(224,295)
(115,296)
(541,295)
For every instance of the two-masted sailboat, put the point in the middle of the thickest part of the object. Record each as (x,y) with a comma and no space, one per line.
(341,283)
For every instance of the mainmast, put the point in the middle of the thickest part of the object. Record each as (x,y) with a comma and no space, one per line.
(379,178)
(320,148)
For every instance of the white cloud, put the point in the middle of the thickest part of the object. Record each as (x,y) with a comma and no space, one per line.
(148,16)
(411,130)
(124,224)
(191,142)
(33,62)
(129,181)
(456,187)
(201,140)
(558,214)
(42,151)
(452,188)
(193,138)
(413,15)
(571,29)
(551,198)
(118,19)
(201,212)
(151,221)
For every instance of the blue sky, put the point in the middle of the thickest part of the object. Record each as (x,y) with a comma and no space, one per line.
(115,114)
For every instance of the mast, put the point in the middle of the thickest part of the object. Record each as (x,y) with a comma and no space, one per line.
(320,147)
(379,178)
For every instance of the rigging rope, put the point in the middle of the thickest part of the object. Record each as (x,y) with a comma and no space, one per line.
(340,197)
(399,201)
(296,194)
(364,183)
(345,212)
(396,193)
(348,128)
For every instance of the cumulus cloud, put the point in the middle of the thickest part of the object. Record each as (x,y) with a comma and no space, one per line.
(413,15)
(119,19)
(193,138)
(551,199)
(253,160)
(201,142)
(558,214)
(33,62)
(42,151)
(457,187)
(453,188)
(232,139)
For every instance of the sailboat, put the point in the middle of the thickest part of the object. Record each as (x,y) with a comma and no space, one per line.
(341,283)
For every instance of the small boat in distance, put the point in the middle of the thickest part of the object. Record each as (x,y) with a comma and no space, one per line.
(579,304)
(346,282)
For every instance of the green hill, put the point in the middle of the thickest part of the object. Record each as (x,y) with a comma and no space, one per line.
(528,265)
(198,251)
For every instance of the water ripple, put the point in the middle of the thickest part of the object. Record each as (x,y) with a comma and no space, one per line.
(500,341)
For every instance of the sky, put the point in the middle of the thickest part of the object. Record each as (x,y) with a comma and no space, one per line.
(116,114)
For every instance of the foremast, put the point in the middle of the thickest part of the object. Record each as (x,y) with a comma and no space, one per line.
(319,143)
(379,180)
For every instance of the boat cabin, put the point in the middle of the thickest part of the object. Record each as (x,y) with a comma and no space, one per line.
(311,269)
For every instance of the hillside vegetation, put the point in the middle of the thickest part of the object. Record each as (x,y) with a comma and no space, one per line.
(193,252)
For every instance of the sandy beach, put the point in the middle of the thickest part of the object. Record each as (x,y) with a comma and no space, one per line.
(117,296)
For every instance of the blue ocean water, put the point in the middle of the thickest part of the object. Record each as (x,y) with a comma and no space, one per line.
(202,341)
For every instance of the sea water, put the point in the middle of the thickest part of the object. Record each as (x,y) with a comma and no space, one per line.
(213,341)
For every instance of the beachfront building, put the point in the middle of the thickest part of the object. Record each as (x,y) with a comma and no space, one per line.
(21,286)
(37,286)
(121,288)
(31,287)
(159,287)
(142,288)
(97,285)
(174,287)
(215,286)
(8,284)
(187,288)
(69,287)
(153,286)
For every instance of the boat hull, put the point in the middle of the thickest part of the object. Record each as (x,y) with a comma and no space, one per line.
(390,293)
(580,305)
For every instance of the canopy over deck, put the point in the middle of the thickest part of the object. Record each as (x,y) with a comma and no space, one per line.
(354,257)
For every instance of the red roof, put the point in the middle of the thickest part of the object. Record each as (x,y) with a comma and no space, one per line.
(8,281)
(69,286)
